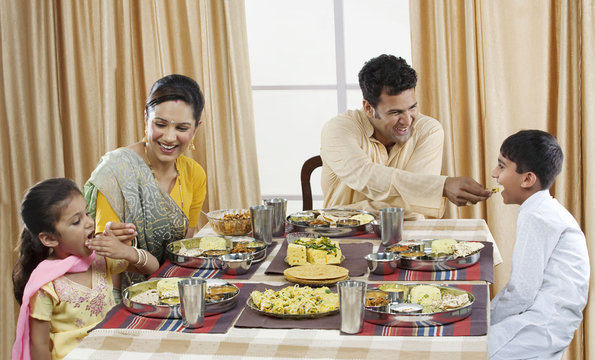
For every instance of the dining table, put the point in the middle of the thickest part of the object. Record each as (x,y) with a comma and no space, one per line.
(242,333)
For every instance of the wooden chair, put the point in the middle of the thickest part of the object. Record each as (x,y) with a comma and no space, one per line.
(309,166)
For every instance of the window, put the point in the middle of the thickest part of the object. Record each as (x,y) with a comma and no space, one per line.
(304,59)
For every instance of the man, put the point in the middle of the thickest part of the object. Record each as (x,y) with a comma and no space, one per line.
(388,154)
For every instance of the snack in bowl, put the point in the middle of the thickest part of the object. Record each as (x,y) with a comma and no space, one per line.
(320,250)
(295,300)
(230,222)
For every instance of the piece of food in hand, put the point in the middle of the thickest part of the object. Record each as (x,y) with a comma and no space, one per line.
(296,255)
(496,189)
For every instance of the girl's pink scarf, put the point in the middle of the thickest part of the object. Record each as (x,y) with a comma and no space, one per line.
(46,271)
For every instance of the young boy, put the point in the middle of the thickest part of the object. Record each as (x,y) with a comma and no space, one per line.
(536,314)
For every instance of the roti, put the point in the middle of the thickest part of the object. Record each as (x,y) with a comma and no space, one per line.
(325,282)
(316,272)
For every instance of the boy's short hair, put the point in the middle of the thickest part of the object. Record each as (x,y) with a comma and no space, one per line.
(535,151)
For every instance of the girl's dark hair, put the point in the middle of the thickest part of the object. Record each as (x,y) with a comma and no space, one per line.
(177,87)
(40,211)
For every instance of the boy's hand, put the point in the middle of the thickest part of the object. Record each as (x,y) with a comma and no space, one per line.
(463,190)
(124,232)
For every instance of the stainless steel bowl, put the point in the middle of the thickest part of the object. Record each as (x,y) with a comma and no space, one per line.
(397,293)
(376,227)
(382,263)
(407,308)
(235,264)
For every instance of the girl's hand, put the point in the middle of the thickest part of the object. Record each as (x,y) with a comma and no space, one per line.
(108,245)
(124,232)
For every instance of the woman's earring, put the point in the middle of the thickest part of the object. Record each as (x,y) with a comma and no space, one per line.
(192,147)
(145,138)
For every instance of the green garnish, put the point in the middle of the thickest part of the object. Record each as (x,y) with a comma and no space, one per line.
(322,243)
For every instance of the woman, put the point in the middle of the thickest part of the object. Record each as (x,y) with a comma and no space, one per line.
(150,186)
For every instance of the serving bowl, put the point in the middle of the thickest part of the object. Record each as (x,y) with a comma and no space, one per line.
(230,222)
(235,264)
(382,263)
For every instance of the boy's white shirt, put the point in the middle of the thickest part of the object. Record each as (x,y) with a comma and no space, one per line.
(536,314)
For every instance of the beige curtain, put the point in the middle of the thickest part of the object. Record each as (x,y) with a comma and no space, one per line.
(490,68)
(73,79)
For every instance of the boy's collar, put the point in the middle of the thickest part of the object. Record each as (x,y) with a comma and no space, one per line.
(535,198)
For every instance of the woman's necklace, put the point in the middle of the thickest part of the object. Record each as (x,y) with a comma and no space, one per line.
(177,175)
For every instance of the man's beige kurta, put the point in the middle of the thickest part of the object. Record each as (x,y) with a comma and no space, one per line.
(359,173)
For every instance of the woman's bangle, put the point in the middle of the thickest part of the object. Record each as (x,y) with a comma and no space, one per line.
(142,258)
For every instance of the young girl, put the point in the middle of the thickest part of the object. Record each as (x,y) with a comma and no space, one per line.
(63,276)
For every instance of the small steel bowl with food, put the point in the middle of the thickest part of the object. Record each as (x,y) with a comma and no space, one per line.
(397,293)
(377,300)
(230,222)
(382,263)
(234,264)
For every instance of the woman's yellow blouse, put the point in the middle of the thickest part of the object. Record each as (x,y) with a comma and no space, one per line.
(194,190)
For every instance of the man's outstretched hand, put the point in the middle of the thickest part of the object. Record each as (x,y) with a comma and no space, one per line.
(463,191)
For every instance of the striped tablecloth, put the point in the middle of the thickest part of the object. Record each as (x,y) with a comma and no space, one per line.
(263,343)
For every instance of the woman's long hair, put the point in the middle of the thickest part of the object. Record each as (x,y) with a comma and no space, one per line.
(40,211)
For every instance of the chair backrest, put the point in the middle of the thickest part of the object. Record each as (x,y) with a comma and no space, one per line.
(309,166)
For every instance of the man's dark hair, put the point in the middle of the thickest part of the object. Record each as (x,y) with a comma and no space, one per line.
(385,72)
(535,151)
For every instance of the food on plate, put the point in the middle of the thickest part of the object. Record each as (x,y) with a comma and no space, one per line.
(240,247)
(406,308)
(165,292)
(412,254)
(230,222)
(217,293)
(466,248)
(184,251)
(316,274)
(296,255)
(301,217)
(213,243)
(424,294)
(296,300)
(397,248)
(348,222)
(393,287)
(376,298)
(318,222)
(363,218)
(313,251)
(150,297)
(168,288)
(443,246)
